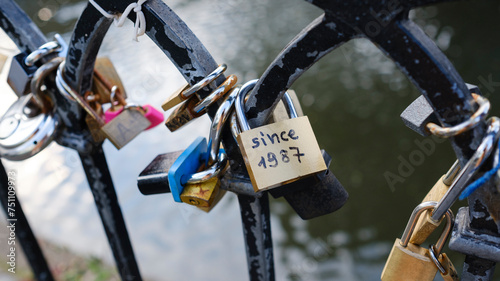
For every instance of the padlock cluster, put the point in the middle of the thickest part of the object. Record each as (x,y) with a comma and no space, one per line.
(426,217)
(283,157)
(121,122)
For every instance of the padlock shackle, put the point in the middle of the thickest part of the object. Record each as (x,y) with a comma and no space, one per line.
(287,100)
(71,95)
(46,49)
(216,94)
(218,122)
(216,161)
(240,105)
(412,222)
(217,169)
(204,82)
(39,77)
(470,169)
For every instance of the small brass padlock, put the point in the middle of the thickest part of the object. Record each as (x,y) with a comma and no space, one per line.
(201,194)
(444,264)
(412,262)
(186,91)
(105,77)
(194,107)
(278,153)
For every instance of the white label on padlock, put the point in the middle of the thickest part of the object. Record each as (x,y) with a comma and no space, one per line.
(280,153)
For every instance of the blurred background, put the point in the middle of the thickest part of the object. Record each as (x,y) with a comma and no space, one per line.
(353,98)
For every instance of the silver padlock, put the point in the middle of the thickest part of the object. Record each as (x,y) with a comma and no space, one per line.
(23,66)
(31,123)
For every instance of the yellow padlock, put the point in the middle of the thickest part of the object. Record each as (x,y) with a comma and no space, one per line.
(201,194)
(411,262)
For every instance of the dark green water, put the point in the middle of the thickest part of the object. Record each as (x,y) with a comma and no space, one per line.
(353,97)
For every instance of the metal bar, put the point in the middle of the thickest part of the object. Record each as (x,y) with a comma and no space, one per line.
(385,23)
(477,269)
(19,27)
(101,185)
(256,221)
(23,231)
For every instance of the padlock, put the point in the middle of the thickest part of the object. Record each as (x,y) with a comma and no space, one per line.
(154,178)
(118,104)
(22,66)
(473,165)
(187,165)
(186,91)
(444,265)
(105,77)
(194,108)
(126,126)
(154,116)
(30,124)
(278,153)
(312,196)
(202,188)
(19,77)
(410,261)
(426,225)
(93,124)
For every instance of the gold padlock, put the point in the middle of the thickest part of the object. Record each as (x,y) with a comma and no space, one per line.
(412,262)
(426,225)
(194,108)
(444,264)
(93,125)
(201,194)
(214,203)
(186,91)
(105,77)
(277,153)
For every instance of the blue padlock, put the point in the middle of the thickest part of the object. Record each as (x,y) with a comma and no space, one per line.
(186,164)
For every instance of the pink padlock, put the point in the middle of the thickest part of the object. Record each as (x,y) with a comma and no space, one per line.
(110,114)
(153,115)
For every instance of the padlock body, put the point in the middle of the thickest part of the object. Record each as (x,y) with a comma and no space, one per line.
(186,164)
(154,178)
(451,273)
(216,201)
(153,115)
(105,67)
(201,194)
(183,114)
(112,114)
(411,263)
(175,99)
(20,75)
(94,126)
(280,153)
(125,127)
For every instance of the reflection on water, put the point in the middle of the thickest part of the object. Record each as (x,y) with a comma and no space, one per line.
(353,98)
